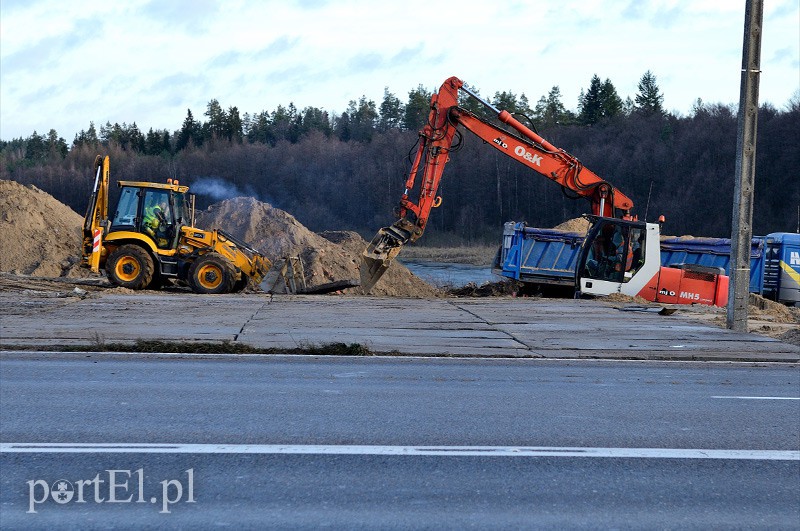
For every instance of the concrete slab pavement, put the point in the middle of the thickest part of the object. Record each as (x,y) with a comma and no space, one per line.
(493,327)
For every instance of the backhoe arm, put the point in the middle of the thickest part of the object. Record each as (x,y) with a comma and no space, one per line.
(96,215)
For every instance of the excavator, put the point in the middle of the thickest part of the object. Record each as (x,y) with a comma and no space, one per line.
(151,239)
(619,255)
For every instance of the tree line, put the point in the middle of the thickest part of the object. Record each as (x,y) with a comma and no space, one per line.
(346,171)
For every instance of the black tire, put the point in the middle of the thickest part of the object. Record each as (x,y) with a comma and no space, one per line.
(211,274)
(131,267)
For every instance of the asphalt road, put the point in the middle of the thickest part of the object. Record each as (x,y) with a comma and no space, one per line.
(289,442)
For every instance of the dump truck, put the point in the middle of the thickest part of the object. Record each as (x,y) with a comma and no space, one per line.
(149,239)
(547,259)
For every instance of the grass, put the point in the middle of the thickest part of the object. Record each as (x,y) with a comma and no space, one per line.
(474,255)
(201,347)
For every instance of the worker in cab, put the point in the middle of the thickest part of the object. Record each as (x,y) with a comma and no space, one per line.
(155,221)
(622,254)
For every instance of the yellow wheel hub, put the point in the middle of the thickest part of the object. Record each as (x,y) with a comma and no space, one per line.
(209,276)
(127,268)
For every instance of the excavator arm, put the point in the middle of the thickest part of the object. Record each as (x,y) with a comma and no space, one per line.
(519,143)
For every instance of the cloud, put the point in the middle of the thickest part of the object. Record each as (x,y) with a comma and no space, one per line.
(406,55)
(44,54)
(787,9)
(191,15)
(311,4)
(657,16)
(31,99)
(226,59)
(364,62)
(13,6)
(279,46)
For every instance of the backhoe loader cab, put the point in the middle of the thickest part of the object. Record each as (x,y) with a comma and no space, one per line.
(149,239)
(155,210)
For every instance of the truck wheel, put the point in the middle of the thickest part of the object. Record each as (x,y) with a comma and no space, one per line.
(130,267)
(211,274)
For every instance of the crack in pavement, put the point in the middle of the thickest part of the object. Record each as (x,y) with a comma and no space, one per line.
(523,345)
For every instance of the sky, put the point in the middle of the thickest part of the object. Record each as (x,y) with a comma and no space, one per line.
(64,64)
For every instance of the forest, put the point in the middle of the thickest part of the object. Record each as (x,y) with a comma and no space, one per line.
(346,171)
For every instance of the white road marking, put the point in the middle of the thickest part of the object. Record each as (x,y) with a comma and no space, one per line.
(759,397)
(472,451)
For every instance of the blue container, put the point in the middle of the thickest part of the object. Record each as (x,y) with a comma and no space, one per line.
(540,256)
(549,256)
(713,252)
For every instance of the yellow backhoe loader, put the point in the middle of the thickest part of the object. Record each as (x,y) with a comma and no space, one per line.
(150,239)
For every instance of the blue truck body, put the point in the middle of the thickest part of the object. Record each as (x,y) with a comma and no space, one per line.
(549,257)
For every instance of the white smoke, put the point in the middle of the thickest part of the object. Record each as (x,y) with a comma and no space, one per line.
(216,188)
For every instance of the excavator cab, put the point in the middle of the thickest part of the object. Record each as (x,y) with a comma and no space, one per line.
(620,256)
(617,255)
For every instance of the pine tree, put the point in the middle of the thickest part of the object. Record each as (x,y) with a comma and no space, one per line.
(610,102)
(391,111)
(233,125)
(590,107)
(600,102)
(190,133)
(35,147)
(417,109)
(216,125)
(550,110)
(649,100)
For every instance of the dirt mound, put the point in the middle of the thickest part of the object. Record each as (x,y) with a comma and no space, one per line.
(579,225)
(330,257)
(39,235)
(774,311)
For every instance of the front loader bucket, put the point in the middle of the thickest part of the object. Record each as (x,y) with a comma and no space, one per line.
(378,255)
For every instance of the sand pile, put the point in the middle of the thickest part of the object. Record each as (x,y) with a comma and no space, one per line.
(327,257)
(39,235)
(579,225)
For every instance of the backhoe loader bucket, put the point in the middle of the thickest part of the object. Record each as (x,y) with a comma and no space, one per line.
(378,255)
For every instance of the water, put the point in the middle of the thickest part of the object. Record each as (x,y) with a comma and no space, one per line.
(441,274)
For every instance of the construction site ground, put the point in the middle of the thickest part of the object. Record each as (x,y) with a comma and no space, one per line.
(48,302)
(55,314)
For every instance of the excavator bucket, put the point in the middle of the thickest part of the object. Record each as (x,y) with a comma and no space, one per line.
(378,255)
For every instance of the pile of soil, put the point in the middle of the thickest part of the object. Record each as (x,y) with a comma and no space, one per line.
(39,235)
(42,237)
(773,311)
(579,225)
(326,257)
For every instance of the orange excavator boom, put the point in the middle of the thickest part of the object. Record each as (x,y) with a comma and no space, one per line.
(520,143)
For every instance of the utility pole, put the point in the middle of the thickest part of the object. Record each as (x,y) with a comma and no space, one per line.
(742,229)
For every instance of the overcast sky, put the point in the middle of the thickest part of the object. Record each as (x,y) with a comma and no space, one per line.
(66,63)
